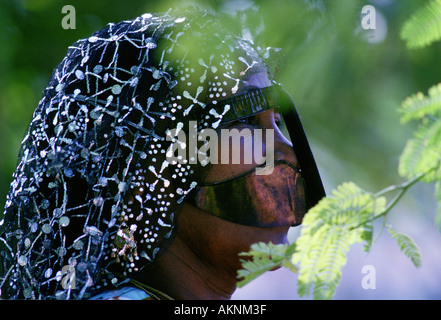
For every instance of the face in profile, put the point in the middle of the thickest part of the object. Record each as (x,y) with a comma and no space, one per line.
(242,188)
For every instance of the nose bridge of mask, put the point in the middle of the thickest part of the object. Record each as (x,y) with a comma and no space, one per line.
(277,199)
(275,97)
(277,164)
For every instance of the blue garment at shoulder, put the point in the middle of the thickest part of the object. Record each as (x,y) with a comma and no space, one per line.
(126,293)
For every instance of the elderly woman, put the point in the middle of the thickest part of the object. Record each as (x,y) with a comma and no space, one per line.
(102,203)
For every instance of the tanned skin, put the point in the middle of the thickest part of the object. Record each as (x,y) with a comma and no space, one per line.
(203,259)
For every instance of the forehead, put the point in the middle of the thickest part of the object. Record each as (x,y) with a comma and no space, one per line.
(257,80)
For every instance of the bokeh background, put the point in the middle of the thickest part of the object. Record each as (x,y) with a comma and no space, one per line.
(347,83)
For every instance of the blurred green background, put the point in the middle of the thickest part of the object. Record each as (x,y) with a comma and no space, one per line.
(347,82)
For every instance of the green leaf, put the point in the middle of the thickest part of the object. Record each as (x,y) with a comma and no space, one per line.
(407,246)
(418,106)
(347,205)
(263,257)
(423,153)
(424,26)
(320,265)
(329,229)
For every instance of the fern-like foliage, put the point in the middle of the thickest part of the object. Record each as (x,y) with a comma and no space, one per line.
(422,154)
(329,229)
(407,246)
(424,26)
(264,257)
(419,106)
(345,217)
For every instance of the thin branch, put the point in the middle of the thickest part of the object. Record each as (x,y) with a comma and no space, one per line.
(403,187)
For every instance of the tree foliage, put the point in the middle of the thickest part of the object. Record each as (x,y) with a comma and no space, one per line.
(422,154)
(423,27)
(408,246)
(265,257)
(329,229)
(345,217)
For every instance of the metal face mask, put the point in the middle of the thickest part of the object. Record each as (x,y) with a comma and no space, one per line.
(275,97)
(276,199)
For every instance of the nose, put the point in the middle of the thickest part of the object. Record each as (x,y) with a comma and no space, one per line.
(283,148)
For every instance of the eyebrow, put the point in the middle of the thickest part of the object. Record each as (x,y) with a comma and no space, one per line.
(246,89)
(248,103)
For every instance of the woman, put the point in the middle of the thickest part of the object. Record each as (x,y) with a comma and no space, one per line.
(102,208)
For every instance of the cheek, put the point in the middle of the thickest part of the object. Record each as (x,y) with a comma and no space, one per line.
(238,152)
(241,149)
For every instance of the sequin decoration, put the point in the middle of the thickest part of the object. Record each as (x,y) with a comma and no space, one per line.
(93,198)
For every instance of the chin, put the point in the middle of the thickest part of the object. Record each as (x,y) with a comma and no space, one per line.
(276,235)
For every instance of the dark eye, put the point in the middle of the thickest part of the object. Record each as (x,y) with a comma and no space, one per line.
(248,120)
(278,122)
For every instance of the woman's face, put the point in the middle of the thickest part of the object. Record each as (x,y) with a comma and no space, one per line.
(255,180)
(209,234)
(281,147)
(270,119)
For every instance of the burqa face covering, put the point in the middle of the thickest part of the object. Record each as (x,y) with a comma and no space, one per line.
(276,199)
